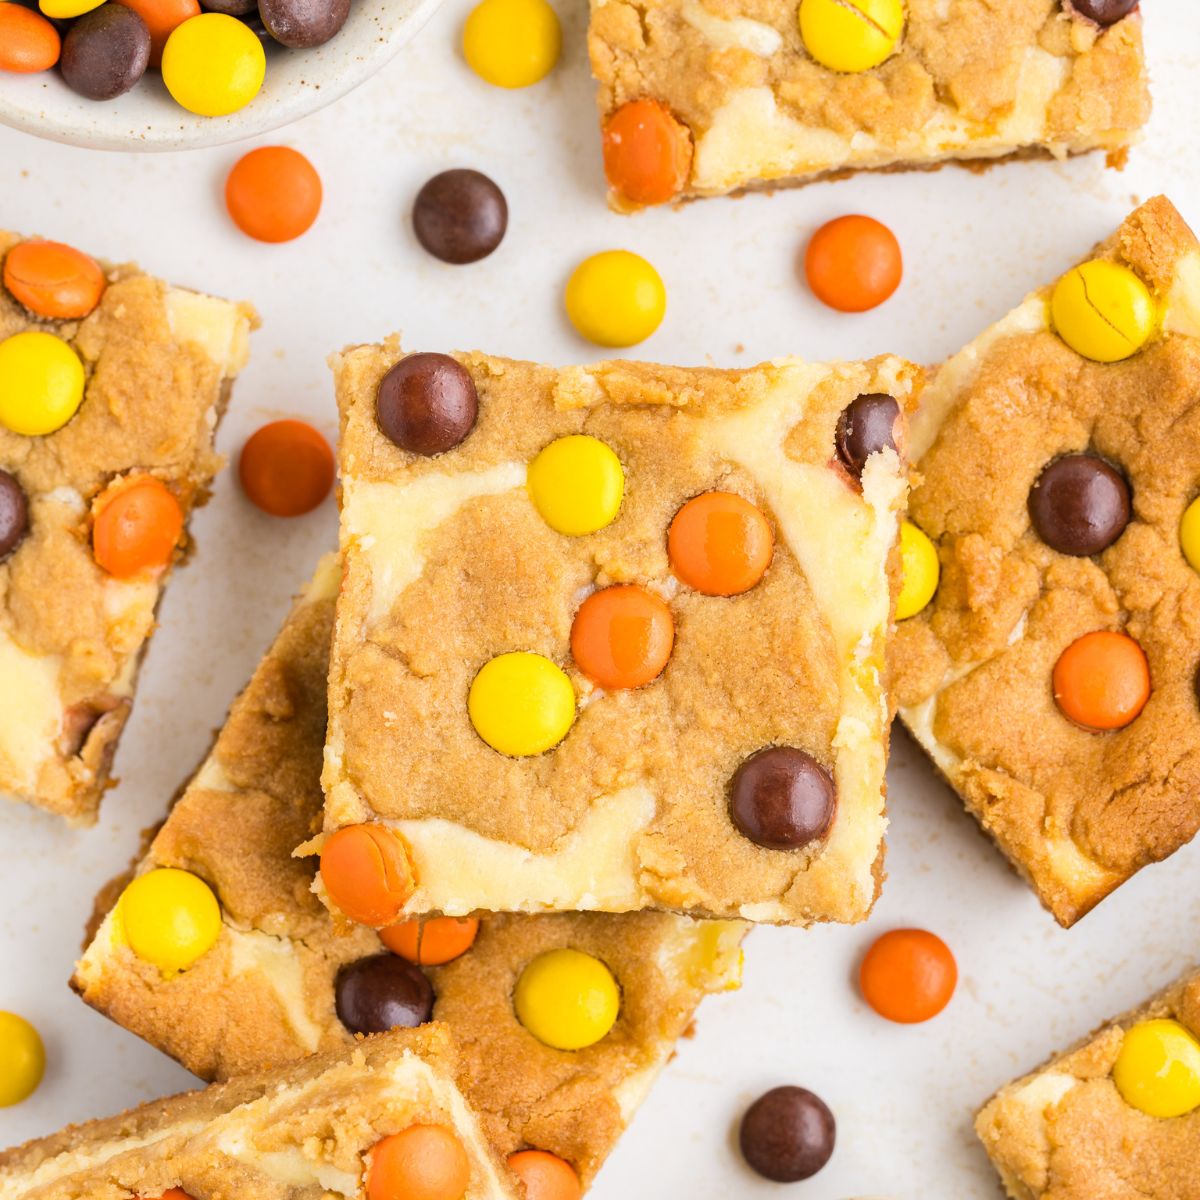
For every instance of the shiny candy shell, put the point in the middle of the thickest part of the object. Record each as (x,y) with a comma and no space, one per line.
(512,43)
(521,704)
(851,35)
(567,999)
(41,383)
(213,64)
(576,483)
(615,298)
(1158,1069)
(1103,311)
(22,1059)
(169,918)
(920,569)
(1189,534)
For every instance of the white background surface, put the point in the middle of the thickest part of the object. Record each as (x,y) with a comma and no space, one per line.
(973,244)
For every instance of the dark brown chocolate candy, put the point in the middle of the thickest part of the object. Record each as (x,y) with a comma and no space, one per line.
(1079,505)
(303,24)
(426,404)
(380,993)
(1103,12)
(782,798)
(14,514)
(231,8)
(460,216)
(105,52)
(788,1134)
(866,426)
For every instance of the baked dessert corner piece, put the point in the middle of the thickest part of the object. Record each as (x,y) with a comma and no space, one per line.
(612,637)
(1116,1115)
(702,97)
(331,1126)
(1052,678)
(150,367)
(272,980)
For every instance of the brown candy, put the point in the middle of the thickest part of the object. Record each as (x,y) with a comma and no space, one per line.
(380,993)
(787,1134)
(426,404)
(14,514)
(105,52)
(867,425)
(302,24)
(231,8)
(460,216)
(1079,505)
(1103,12)
(782,798)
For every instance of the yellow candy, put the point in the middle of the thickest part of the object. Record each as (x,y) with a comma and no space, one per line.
(1189,534)
(567,999)
(919,563)
(22,1059)
(851,35)
(1103,311)
(576,483)
(41,383)
(616,298)
(169,918)
(521,704)
(65,10)
(1158,1069)
(512,43)
(213,64)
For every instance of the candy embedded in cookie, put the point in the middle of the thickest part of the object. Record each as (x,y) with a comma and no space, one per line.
(782,798)
(1103,310)
(577,483)
(1158,1069)
(169,918)
(921,571)
(787,1134)
(567,999)
(1080,505)
(720,544)
(1102,680)
(851,35)
(423,1162)
(426,404)
(521,704)
(647,153)
(41,383)
(622,637)
(14,514)
(1103,12)
(380,993)
(367,873)
(1189,534)
(136,525)
(545,1175)
(53,280)
(431,941)
(867,425)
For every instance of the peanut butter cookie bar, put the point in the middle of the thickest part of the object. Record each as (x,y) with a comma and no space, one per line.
(111,387)
(611,637)
(1052,677)
(701,97)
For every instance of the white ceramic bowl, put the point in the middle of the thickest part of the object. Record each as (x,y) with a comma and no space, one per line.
(298,82)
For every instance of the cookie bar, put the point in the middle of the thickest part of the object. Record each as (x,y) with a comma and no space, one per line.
(107,420)
(277,980)
(330,1126)
(1116,1115)
(611,637)
(702,97)
(1052,678)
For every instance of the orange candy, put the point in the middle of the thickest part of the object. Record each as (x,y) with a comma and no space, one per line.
(908,976)
(368,873)
(138,523)
(431,941)
(1102,680)
(853,263)
(622,637)
(647,152)
(28,42)
(169,1194)
(286,468)
(720,544)
(51,279)
(545,1175)
(161,17)
(273,193)
(423,1162)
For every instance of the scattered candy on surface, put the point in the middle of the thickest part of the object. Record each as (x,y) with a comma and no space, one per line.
(431,941)
(1103,12)
(1103,311)
(1079,505)
(1189,534)
(28,42)
(14,514)
(303,24)
(460,216)
(213,64)
(169,918)
(53,280)
(273,194)
(41,383)
(22,1059)
(567,999)
(1102,680)
(426,404)
(286,468)
(782,798)
(380,993)
(576,483)
(647,152)
(367,873)
(521,704)
(787,1134)
(853,263)
(545,1175)
(162,17)
(1158,1069)
(105,52)
(622,637)
(720,544)
(137,525)
(851,35)
(866,426)
(920,569)
(908,975)
(615,298)
(512,43)
(422,1162)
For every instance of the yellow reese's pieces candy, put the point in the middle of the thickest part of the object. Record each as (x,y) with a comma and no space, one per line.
(169,918)
(567,999)
(851,35)
(1103,311)
(1158,1069)
(521,704)
(41,383)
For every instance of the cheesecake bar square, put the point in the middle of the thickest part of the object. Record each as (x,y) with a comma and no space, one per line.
(612,637)
(346,1123)
(702,97)
(274,980)
(112,384)
(1116,1115)
(1052,678)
